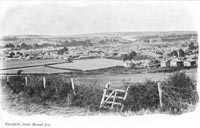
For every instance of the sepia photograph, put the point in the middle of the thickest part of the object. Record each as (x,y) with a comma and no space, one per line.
(123,59)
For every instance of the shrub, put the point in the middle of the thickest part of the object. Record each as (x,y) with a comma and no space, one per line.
(179,93)
(88,96)
(56,88)
(144,96)
(16,83)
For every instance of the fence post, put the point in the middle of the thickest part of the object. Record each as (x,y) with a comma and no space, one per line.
(160,94)
(104,93)
(7,78)
(72,83)
(44,82)
(26,81)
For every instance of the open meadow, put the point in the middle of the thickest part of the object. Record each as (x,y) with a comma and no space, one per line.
(92,71)
(27,63)
(90,64)
(133,78)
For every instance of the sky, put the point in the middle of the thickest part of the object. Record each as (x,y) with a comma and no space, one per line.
(64,18)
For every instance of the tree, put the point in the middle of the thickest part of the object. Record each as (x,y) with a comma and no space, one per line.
(173,53)
(10,45)
(11,55)
(9,38)
(132,55)
(36,45)
(181,53)
(125,57)
(115,54)
(62,51)
(65,49)
(102,42)
(18,46)
(191,46)
(25,46)
(129,56)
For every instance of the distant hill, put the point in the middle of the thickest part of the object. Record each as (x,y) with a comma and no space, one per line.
(56,40)
(113,34)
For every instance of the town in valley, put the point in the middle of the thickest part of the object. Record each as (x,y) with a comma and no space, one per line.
(132,49)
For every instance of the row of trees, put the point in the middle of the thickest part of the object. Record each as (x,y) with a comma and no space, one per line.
(192,46)
(129,56)
(62,51)
(61,44)
(22,46)
(179,53)
(9,38)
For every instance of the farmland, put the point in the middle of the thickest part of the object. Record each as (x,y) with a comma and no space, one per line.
(35,70)
(27,63)
(133,78)
(93,71)
(90,64)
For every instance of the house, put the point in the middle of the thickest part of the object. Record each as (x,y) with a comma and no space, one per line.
(176,63)
(145,63)
(165,64)
(122,53)
(154,64)
(189,63)
(127,64)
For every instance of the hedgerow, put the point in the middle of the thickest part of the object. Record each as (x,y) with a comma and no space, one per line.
(179,93)
(56,88)
(88,96)
(142,96)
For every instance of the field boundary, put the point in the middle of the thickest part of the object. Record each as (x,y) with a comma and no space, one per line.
(33,65)
(61,68)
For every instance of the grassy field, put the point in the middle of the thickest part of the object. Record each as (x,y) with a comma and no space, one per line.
(35,70)
(21,63)
(90,64)
(133,78)
(57,66)
(95,71)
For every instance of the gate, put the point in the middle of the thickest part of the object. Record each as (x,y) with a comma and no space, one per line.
(113,97)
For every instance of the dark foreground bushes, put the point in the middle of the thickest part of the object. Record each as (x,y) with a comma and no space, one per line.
(179,93)
(88,96)
(143,96)
(56,89)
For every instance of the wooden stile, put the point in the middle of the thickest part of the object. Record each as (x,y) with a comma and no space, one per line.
(7,78)
(160,94)
(110,95)
(44,82)
(73,88)
(26,81)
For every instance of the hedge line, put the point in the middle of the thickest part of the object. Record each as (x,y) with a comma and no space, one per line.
(56,88)
(179,93)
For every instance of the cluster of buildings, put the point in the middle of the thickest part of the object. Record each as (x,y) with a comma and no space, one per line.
(151,54)
(163,60)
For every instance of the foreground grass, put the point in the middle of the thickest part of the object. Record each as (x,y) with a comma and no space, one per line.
(179,96)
